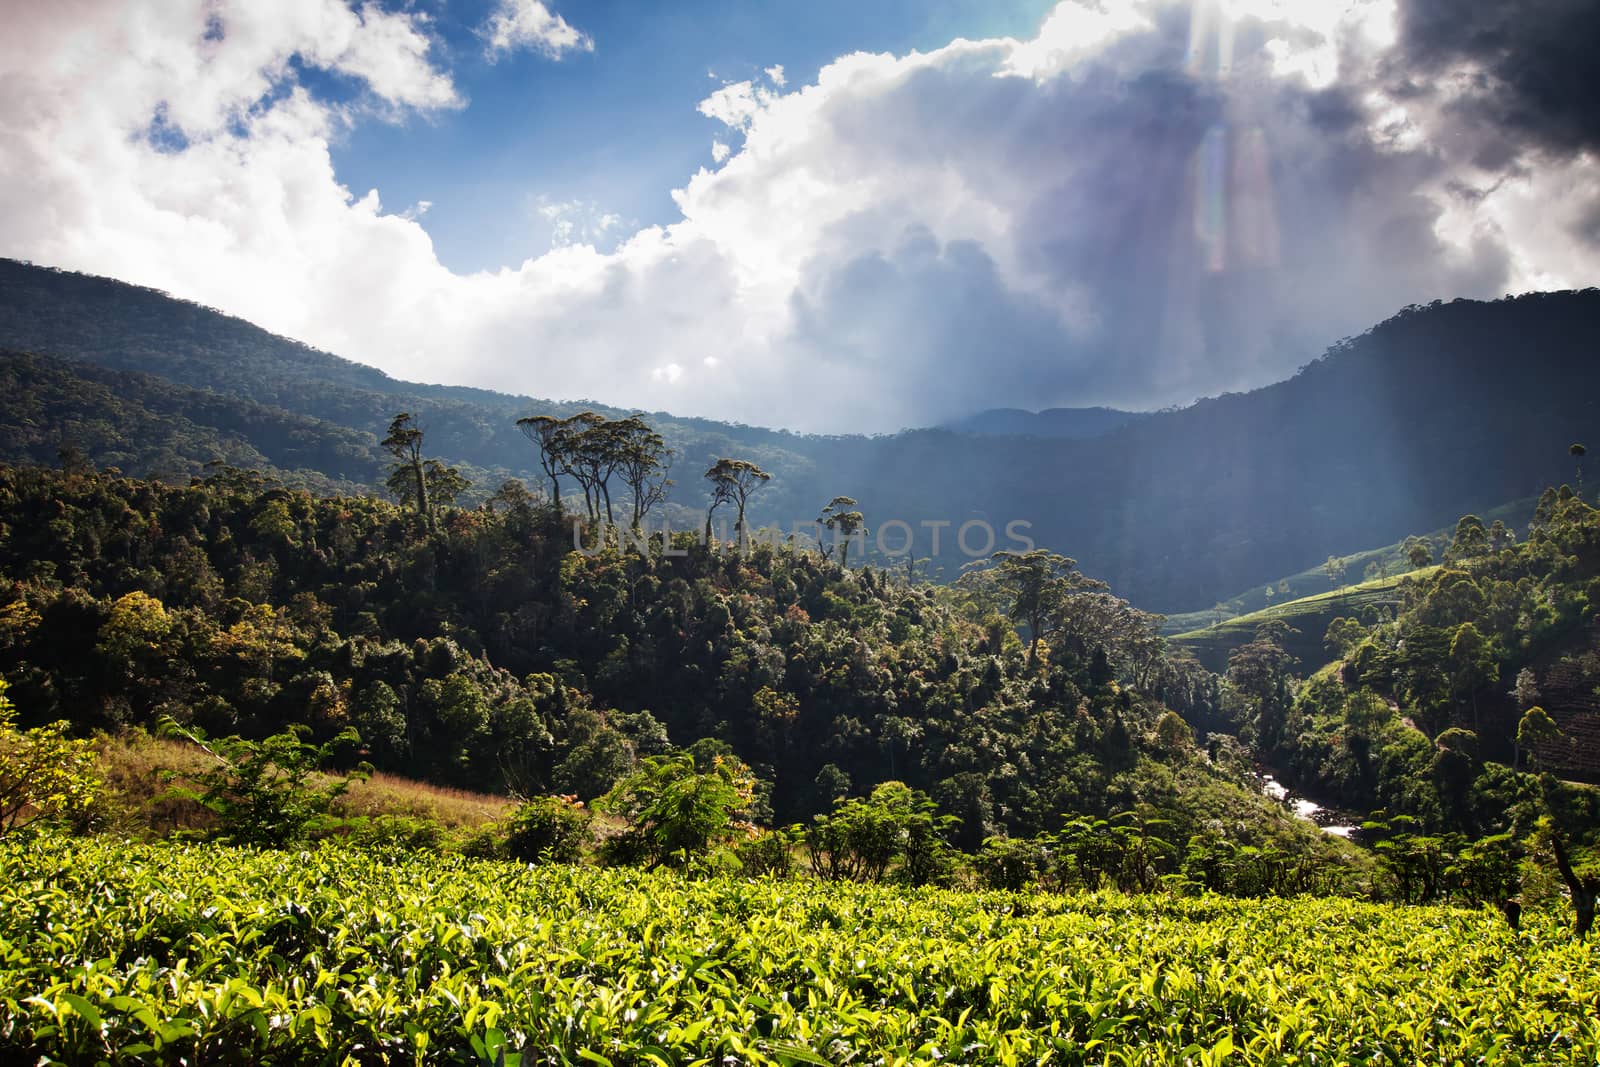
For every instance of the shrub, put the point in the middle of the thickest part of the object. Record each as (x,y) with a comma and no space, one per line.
(769,852)
(264,792)
(1010,863)
(678,807)
(548,830)
(44,774)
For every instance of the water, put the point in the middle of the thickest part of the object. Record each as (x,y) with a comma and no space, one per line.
(1309,810)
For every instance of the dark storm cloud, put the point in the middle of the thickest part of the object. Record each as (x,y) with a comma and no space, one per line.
(1530,69)
(1193,235)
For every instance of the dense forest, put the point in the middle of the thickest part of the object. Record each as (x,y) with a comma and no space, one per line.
(489,654)
(478,647)
(1400,430)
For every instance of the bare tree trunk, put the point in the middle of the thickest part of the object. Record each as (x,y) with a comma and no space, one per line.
(1585,890)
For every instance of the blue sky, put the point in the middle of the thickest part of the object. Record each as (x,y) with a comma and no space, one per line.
(949,205)
(617,126)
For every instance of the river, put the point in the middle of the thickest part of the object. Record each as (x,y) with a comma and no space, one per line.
(1331,822)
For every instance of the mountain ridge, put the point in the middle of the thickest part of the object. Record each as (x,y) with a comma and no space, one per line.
(1440,410)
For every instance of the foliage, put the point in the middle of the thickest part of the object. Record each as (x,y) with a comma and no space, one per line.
(548,830)
(44,774)
(678,806)
(266,793)
(203,954)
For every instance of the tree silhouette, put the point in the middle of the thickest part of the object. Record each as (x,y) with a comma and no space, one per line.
(839,517)
(545,431)
(734,481)
(404,443)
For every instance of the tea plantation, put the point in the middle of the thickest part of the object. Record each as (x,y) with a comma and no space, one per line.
(166,953)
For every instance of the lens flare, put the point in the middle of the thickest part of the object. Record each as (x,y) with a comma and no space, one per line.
(1210,40)
(1235,206)
(1256,211)
(1210,198)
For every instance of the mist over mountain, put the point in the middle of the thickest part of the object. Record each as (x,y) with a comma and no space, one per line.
(1441,410)
(1074,423)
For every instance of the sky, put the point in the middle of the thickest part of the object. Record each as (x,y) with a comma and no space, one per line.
(823,216)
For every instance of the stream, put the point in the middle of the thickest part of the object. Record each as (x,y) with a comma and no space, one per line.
(1331,822)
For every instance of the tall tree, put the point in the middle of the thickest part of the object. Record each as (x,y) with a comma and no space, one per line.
(644,461)
(404,443)
(1472,664)
(1418,552)
(1577,452)
(583,457)
(734,481)
(840,517)
(1036,585)
(546,432)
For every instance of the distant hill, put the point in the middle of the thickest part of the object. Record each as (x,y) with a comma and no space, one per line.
(1439,411)
(1071,423)
(1313,580)
(146,425)
(1308,616)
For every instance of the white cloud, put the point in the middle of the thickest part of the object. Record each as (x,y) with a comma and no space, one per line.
(719,151)
(737,104)
(531,24)
(1101,214)
(775,75)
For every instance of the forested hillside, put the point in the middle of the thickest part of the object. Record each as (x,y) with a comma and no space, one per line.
(82,413)
(1441,411)
(490,655)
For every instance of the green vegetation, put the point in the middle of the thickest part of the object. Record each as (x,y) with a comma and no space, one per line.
(1173,510)
(766,802)
(44,774)
(487,655)
(159,953)
(1308,616)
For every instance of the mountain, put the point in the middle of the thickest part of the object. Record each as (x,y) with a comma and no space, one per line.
(1439,411)
(1072,423)
(138,422)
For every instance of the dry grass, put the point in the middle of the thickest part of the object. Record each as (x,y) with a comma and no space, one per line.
(388,794)
(145,777)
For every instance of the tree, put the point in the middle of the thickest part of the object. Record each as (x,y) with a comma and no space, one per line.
(267,793)
(548,830)
(1472,664)
(1418,552)
(1584,889)
(839,517)
(1526,693)
(1259,669)
(444,484)
(1342,635)
(645,460)
(677,806)
(404,443)
(1500,538)
(1536,728)
(1470,540)
(734,481)
(1577,452)
(44,773)
(1335,568)
(1035,586)
(546,433)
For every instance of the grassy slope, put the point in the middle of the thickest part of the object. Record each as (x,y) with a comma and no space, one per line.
(1314,580)
(140,772)
(1309,615)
